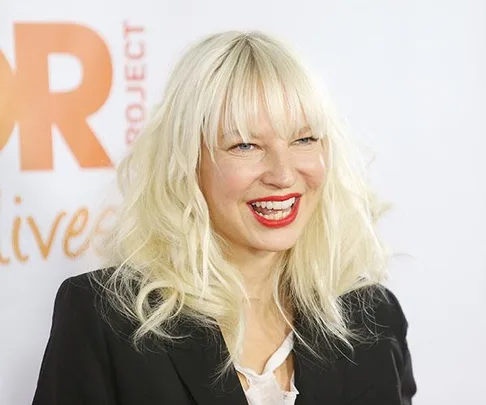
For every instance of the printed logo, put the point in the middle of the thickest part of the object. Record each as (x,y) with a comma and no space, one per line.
(26,100)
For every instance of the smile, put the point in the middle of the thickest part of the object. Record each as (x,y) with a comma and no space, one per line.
(274,209)
(275,214)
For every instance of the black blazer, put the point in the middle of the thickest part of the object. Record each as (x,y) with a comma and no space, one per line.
(90,362)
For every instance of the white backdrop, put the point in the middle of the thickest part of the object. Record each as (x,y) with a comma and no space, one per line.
(408,76)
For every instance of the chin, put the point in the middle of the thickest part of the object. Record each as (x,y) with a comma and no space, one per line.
(279,246)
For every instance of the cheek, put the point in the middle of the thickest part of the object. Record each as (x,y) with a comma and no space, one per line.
(315,171)
(237,184)
(231,184)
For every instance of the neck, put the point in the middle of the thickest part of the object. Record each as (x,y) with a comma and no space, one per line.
(257,268)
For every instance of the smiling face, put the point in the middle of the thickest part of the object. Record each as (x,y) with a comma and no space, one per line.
(261,194)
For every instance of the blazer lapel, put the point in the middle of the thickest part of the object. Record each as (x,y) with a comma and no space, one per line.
(197,358)
(318,382)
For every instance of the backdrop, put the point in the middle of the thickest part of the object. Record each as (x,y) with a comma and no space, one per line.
(77,80)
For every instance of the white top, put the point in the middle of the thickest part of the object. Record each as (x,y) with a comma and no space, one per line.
(264,389)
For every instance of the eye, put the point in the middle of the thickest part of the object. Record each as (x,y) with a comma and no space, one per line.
(243,147)
(306,140)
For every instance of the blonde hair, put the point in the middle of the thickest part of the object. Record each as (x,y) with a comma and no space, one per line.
(170,262)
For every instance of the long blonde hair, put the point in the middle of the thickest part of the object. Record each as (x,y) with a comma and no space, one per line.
(168,259)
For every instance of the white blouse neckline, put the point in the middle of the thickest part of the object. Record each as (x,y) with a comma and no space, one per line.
(264,389)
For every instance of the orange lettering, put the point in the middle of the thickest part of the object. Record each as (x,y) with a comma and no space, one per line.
(8,111)
(4,260)
(36,109)
(45,247)
(16,241)
(76,227)
(100,231)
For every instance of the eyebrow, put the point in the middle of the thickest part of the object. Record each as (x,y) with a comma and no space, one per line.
(303,130)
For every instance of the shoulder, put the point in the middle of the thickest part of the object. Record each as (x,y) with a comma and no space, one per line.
(377,309)
(82,284)
(83,290)
(82,304)
(384,361)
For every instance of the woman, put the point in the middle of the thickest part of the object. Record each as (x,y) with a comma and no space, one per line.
(246,265)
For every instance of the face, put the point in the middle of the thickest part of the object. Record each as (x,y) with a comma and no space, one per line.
(262,194)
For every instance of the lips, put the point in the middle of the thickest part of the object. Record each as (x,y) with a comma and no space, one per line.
(275,198)
(274,218)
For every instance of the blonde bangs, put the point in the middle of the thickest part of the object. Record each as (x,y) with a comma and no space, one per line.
(258,75)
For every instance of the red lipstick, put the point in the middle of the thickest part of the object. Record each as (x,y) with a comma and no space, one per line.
(275,198)
(277,223)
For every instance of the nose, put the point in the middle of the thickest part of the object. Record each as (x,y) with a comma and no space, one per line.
(280,169)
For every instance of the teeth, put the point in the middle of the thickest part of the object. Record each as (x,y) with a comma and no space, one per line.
(275,205)
(278,215)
